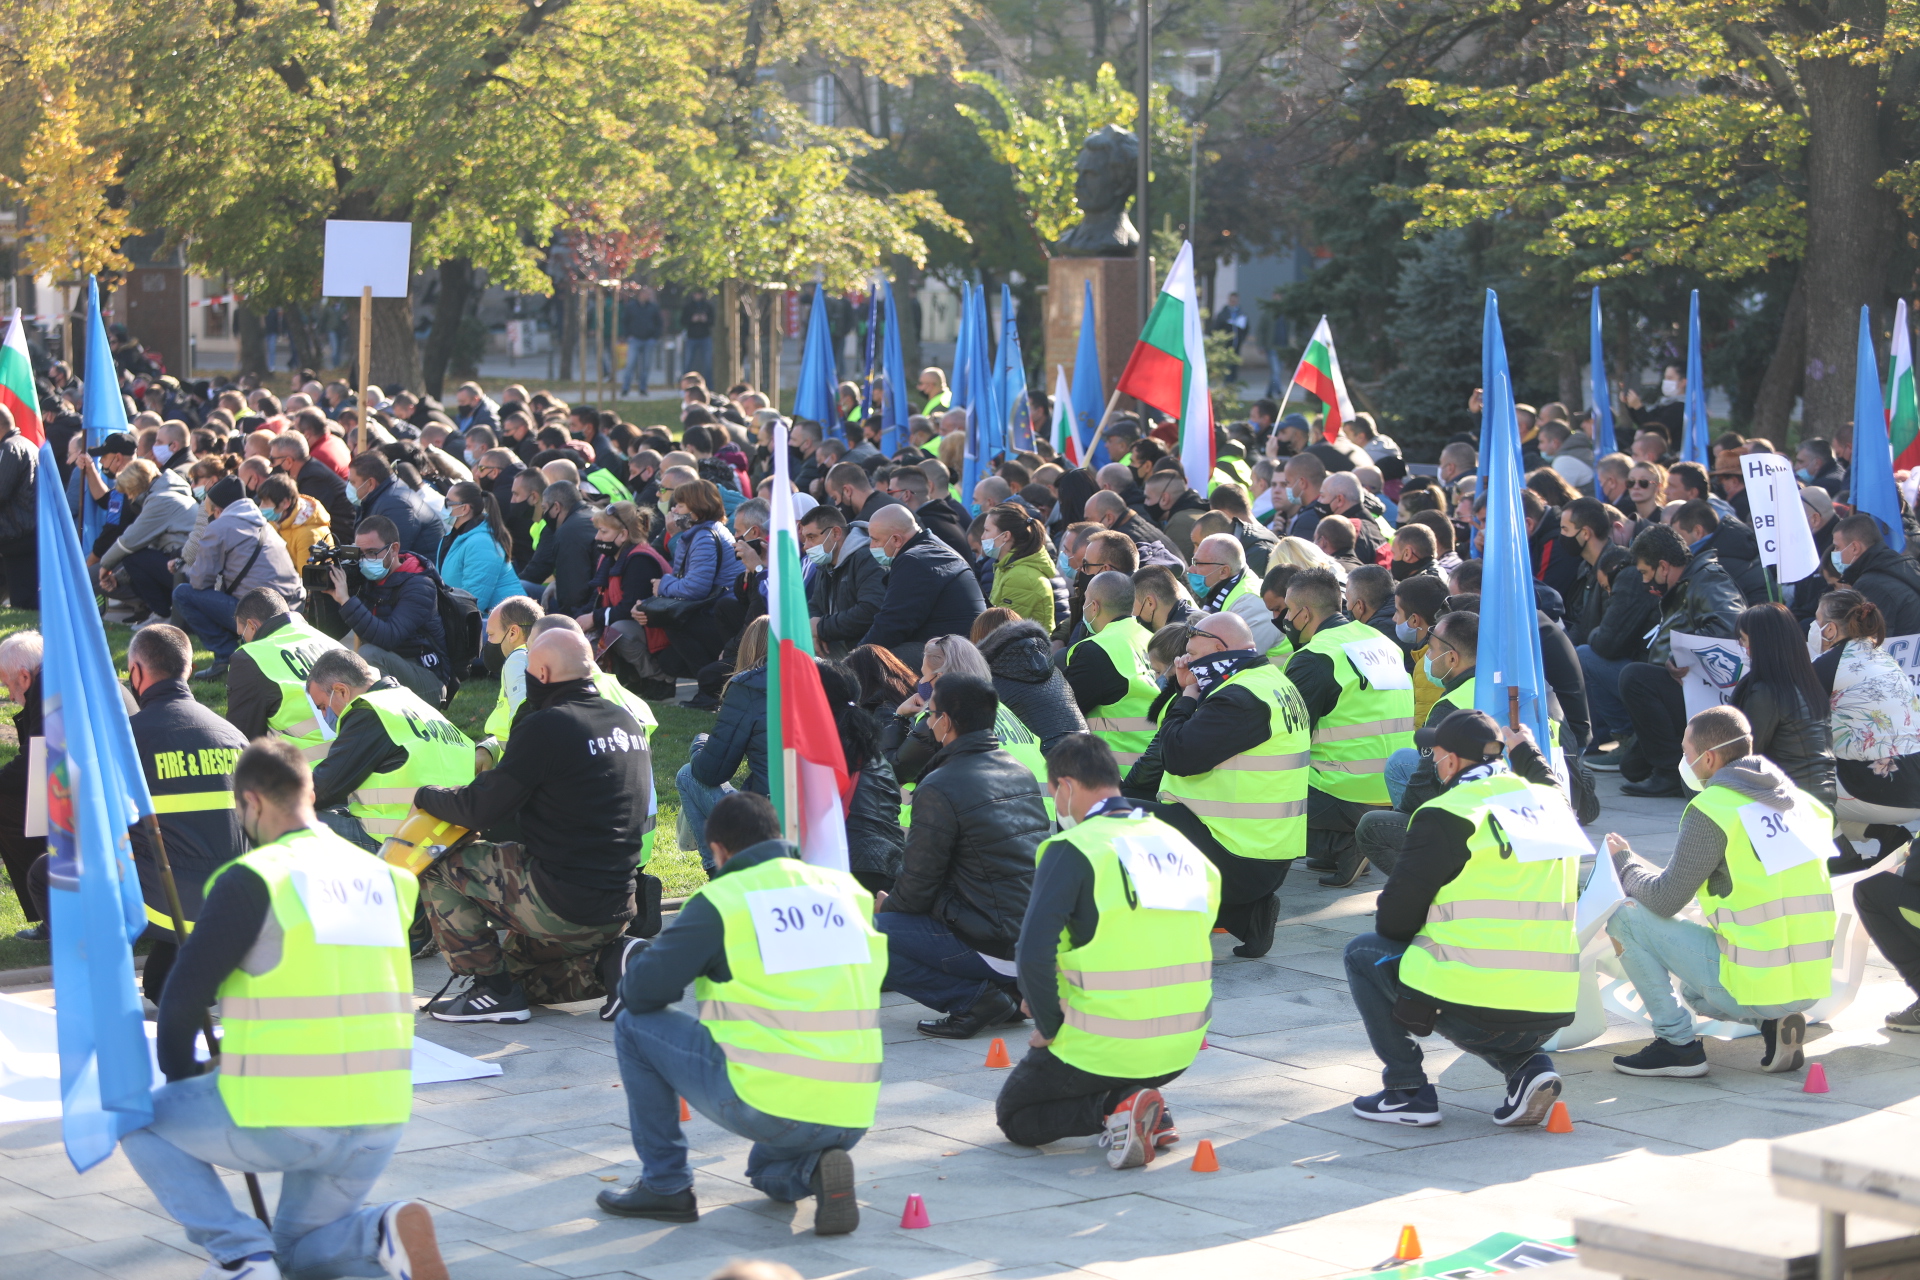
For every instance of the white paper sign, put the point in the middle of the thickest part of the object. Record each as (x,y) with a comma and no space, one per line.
(351,906)
(1597,901)
(1167,876)
(1714,665)
(1785,839)
(1380,661)
(801,927)
(367,254)
(1779,521)
(1541,827)
(36,818)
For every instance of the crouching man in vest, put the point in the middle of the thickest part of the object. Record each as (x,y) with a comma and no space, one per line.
(1116,963)
(1753,849)
(1474,935)
(787,966)
(314,1079)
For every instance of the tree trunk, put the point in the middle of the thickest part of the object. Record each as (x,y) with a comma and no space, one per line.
(563,307)
(304,337)
(1850,231)
(726,337)
(1780,387)
(1567,365)
(456,289)
(253,339)
(396,356)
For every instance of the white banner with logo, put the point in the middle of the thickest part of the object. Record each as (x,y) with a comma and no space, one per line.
(1714,665)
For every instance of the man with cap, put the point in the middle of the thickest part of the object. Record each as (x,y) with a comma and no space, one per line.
(101,465)
(1474,932)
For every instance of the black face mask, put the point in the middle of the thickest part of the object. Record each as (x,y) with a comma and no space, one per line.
(1404,569)
(1291,632)
(605,548)
(538,691)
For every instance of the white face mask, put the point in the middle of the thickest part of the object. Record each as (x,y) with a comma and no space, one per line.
(1692,779)
(162,452)
(1670,388)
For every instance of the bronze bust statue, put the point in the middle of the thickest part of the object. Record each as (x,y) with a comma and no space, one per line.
(1104,175)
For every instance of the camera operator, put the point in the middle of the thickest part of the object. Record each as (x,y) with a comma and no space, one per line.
(396,612)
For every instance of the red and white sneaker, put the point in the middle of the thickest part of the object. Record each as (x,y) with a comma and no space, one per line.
(1166,1133)
(1129,1138)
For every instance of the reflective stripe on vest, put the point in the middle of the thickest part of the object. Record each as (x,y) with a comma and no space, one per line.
(285,657)
(1775,932)
(324,1038)
(1125,725)
(1120,1019)
(805,1044)
(1352,742)
(193,802)
(438,755)
(1500,934)
(1255,803)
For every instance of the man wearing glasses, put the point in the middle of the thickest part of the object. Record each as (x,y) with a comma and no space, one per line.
(1222,583)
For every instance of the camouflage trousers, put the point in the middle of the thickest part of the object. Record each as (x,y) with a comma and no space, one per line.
(466,892)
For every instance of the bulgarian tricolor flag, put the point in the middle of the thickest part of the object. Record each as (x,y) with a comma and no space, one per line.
(1319,376)
(17,391)
(1066,440)
(809,783)
(1903,410)
(1168,368)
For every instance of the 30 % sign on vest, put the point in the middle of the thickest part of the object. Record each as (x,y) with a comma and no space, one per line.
(801,927)
(1540,827)
(1166,876)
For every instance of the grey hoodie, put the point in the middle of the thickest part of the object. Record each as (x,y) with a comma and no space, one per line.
(1700,856)
(165,520)
(227,546)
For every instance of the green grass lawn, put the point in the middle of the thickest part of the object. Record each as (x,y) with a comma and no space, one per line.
(679,869)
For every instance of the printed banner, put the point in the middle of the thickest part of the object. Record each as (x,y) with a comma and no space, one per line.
(1497,1255)
(1714,665)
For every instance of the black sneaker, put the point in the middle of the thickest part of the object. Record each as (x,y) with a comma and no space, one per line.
(1663,1058)
(1659,785)
(1782,1038)
(488,998)
(212,671)
(835,1211)
(1261,922)
(613,966)
(1350,868)
(1907,1020)
(1419,1107)
(635,1201)
(34,933)
(1530,1093)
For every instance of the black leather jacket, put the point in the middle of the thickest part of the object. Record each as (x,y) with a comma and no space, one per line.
(1021,658)
(875,839)
(1783,731)
(1704,602)
(978,819)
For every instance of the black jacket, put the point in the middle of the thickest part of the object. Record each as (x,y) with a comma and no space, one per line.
(320,482)
(361,747)
(1155,546)
(1740,556)
(936,519)
(930,592)
(577,777)
(1618,618)
(1204,733)
(876,841)
(693,946)
(847,596)
(252,698)
(1020,656)
(567,556)
(421,527)
(1704,602)
(18,502)
(978,819)
(1786,733)
(1433,856)
(1556,558)
(184,749)
(1259,545)
(1587,602)
(1891,581)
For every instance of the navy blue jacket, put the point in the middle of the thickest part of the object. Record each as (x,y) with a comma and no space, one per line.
(420,526)
(693,946)
(930,592)
(739,733)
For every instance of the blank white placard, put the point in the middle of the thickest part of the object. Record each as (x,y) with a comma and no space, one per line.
(362,254)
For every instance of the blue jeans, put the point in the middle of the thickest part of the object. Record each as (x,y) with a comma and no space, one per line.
(666,1052)
(320,1228)
(639,357)
(1399,771)
(348,828)
(1656,949)
(698,358)
(209,615)
(926,961)
(1608,713)
(1373,977)
(696,801)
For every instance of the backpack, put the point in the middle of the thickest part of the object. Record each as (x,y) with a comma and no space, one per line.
(461,623)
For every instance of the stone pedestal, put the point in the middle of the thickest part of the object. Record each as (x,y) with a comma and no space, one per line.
(1116,315)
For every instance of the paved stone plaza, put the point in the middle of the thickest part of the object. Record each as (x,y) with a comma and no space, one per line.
(1305,1189)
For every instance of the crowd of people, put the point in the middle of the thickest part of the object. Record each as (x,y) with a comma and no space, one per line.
(1091,715)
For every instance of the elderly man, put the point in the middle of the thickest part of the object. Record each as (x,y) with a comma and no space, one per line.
(1221,582)
(1456,460)
(1342,495)
(930,590)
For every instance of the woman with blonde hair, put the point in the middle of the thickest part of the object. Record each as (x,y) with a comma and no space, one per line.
(133,565)
(1302,554)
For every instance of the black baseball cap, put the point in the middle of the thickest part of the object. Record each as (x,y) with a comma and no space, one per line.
(118,442)
(1472,734)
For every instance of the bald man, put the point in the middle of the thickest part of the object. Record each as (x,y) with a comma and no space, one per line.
(931,591)
(562,817)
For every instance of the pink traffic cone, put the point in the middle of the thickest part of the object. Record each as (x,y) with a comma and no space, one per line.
(1816,1080)
(915,1215)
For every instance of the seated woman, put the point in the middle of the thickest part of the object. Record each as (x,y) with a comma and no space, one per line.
(1875,722)
(704,567)
(628,571)
(884,681)
(1784,701)
(906,739)
(301,521)
(1016,543)
(477,553)
(875,839)
(739,734)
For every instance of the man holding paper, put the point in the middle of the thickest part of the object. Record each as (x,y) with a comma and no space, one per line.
(1753,849)
(1474,935)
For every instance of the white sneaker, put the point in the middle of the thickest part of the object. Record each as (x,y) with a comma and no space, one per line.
(265,1268)
(1129,1133)
(408,1248)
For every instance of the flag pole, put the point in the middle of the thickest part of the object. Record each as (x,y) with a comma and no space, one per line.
(1112,403)
(180,941)
(1513,707)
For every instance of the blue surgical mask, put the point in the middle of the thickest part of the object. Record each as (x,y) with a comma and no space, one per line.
(373,570)
(1804,474)
(1427,664)
(269,514)
(1839,565)
(1198,585)
(882,558)
(1406,634)
(199,493)
(1293,499)
(817,554)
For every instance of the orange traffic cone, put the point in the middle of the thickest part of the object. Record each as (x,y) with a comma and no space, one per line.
(915,1215)
(1409,1246)
(685,1114)
(1204,1161)
(1559,1120)
(1816,1080)
(997,1054)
